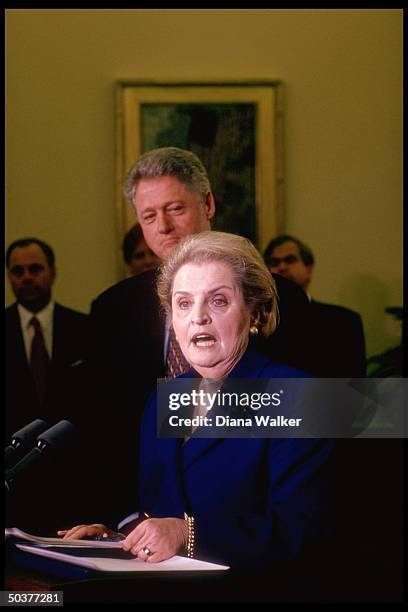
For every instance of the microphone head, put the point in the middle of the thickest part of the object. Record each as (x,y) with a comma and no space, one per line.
(30,432)
(58,435)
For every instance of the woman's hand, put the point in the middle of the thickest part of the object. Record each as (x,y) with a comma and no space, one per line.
(155,540)
(86,531)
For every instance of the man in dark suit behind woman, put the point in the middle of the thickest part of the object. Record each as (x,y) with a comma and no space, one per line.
(171,194)
(338,346)
(368,472)
(45,347)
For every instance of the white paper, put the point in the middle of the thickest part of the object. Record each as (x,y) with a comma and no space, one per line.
(175,564)
(14,532)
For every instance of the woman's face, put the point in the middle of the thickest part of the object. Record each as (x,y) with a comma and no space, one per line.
(210,318)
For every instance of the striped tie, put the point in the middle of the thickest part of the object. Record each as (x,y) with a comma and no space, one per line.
(176,363)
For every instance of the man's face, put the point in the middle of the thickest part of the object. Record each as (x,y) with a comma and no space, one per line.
(286,261)
(31,277)
(168,211)
(142,258)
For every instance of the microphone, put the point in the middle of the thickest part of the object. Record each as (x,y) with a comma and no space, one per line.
(22,439)
(56,437)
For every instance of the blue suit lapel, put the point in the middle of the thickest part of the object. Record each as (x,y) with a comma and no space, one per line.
(196,448)
(249,366)
(171,488)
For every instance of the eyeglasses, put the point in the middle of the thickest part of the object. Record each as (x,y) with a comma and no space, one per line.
(289,259)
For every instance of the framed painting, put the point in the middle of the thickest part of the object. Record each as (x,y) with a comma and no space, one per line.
(236,131)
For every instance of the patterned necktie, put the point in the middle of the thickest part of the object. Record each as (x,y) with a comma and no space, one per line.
(39,360)
(176,363)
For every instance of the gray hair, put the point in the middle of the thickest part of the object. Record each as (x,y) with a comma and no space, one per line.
(250,272)
(169,161)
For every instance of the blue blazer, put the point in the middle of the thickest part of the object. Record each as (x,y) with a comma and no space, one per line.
(255,501)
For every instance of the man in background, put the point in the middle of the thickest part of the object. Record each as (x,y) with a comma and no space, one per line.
(338,346)
(45,347)
(136,254)
(367,493)
(45,341)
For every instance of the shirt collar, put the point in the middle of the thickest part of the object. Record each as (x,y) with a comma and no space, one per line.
(44,316)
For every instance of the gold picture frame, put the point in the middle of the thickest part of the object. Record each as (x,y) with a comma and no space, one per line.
(236,130)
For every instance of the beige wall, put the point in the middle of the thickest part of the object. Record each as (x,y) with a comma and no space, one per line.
(342,71)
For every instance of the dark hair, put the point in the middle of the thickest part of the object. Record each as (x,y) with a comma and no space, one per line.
(306,253)
(130,241)
(24,242)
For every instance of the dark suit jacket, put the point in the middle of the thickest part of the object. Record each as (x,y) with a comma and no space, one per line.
(70,329)
(338,347)
(41,498)
(255,501)
(127,358)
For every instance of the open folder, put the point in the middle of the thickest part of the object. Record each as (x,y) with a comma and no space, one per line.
(95,556)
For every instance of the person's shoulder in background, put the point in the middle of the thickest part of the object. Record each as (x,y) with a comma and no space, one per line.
(335,310)
(74,315)
(119,294)
(290,342)
(338,341)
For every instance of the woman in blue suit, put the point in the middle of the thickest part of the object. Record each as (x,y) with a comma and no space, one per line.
(238,501)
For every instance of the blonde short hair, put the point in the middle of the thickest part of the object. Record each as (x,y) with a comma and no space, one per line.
(250,272)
